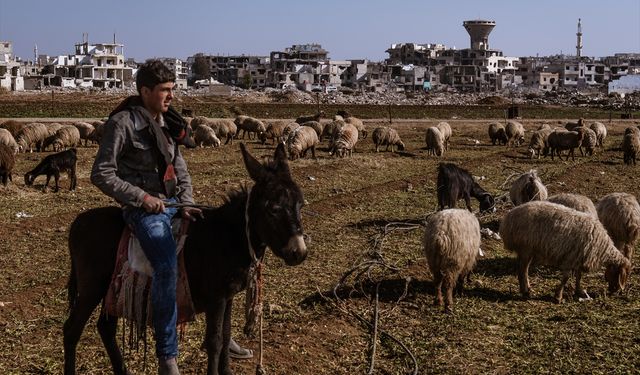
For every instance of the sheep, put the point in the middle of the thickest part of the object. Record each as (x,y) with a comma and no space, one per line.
(539,143)
(451,244)
(576,201)
(349,119)
(344,142)
(455,183)
(53,165)
(589,141)
(435,141)
(445,129)
(99,131)
(385,136)
(554,235)
(288,128)
(332,128)
(249,125)
(302,119)
(31,135)
(497,134)
(619,213)
(300,141)
(53,128)
(515,133)
(526,188)
(274,132)
(67,136)
(12,126)
(205,136)
(601,132)
(570,126)
(544,126)
(631,145)
(198,121)
(7,161)
(315,125)
(560,140)
(7,139)
(224,128)
(86,131)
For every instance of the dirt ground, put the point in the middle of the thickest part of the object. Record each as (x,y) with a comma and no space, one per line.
(349,202)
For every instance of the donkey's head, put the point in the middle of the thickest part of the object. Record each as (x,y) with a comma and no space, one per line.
(274,206)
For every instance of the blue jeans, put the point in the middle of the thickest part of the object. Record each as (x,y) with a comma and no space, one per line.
(154,233)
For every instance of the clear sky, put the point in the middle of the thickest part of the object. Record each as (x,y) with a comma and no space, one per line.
(348,29)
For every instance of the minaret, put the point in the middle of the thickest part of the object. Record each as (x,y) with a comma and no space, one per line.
(35,54)
(579,35)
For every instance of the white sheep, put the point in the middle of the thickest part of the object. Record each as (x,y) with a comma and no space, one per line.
(451,244)
(497,133)
(445,129)
(528,187)
(300,141)
(66,137)
(539,142)
(435,141)
(589,141)
(386,136)
(333,128)
(576,201)
(30,135)
(274,132)
(619,213)
(7,139)
(249,125)
(315,125)
(205,136)
(344,142)
(554,235)
(86,131)
(224,129)
(570,126)
(515,133)
(601,132)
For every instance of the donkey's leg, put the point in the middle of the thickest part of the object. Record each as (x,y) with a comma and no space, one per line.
(226,337)
(107,326)
(79,313)
(214,335)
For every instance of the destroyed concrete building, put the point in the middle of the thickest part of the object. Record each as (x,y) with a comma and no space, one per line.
(179,68)
(10,74)
(240,70)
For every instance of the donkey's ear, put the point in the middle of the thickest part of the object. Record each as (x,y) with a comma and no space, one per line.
(280,158)
(255,169)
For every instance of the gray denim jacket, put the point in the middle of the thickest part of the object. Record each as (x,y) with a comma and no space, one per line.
(126,166)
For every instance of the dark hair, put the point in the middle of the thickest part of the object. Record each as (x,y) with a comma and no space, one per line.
(153,72)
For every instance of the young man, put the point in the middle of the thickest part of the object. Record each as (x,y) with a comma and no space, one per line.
(140,166)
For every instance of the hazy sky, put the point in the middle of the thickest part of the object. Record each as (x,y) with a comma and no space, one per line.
(348,29)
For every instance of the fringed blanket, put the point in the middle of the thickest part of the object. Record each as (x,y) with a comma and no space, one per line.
(128,295)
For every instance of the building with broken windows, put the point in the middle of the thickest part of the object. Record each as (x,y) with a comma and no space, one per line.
(179,68)
(10,74)
(242,70)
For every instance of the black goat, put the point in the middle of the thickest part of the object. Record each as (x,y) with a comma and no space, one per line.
(53,165)
(455,183)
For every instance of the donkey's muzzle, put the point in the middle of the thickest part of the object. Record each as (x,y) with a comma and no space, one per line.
(296,250)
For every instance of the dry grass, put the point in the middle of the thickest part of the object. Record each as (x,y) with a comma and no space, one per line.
(492,329)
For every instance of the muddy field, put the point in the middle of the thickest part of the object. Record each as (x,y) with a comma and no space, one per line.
(349,202)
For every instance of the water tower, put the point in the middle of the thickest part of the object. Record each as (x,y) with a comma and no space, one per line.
(479,31)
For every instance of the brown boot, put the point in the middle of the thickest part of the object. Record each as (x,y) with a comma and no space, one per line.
(168,366)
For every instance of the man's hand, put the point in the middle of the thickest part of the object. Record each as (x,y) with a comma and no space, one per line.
(152,204)
(192,213)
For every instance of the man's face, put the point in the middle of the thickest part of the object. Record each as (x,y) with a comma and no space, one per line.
(158,100)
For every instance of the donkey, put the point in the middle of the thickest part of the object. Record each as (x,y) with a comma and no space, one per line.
(217,256)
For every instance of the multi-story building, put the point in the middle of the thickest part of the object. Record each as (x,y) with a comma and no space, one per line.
(179,68)
(10,74)
(241,70)
(414,54)
(303,65)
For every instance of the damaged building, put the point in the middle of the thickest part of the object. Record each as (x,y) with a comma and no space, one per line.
(11,78)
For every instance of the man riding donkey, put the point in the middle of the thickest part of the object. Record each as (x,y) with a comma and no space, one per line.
(139,165)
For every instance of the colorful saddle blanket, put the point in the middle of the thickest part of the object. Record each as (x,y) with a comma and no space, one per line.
(129,292)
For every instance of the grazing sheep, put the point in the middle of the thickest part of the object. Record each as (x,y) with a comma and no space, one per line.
(274,132)
(497,133)
(86,131)
(300,141)
(288,128)
(7,139)
(65,137)
(455,183)
(451,244)
(12,126)
(601,132)
(7,161)
(544,126)
(515,133)
(349,119)
(435,141)
(315,125)
(570,126)
(53,128)
(249,125)
(554,235)
(198,121)
(445,129)
(224,128)
(333,128)
(99,131)
(539,142)
(205,136)
(576,201)
(302,119)
(619,213)
(53,165)
(344,142)
(631,145)
(31,135)
(560,140)
(526,188)
(385,136)
(589,141)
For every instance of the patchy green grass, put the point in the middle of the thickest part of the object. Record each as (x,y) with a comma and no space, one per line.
(492,330)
